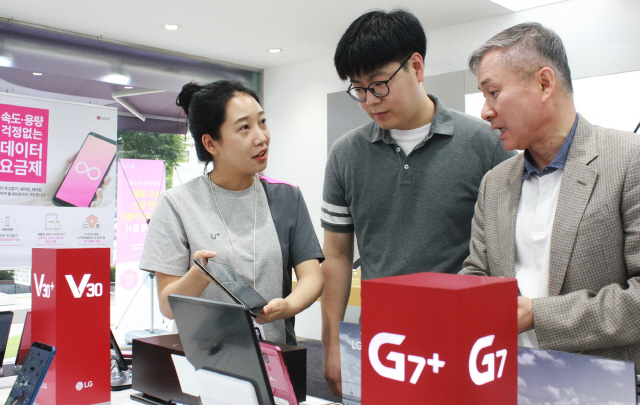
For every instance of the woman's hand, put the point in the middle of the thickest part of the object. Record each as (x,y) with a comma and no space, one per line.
(203,257)
(192,284)
(306,292)
(277,308)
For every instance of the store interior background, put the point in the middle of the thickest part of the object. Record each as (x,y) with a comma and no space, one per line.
(302,96)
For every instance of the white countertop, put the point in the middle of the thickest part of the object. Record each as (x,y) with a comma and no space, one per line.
(123,398)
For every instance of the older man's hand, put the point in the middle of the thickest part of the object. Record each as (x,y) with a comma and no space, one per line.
(525,314)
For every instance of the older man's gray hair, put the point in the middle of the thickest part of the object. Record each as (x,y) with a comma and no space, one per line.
(527,48)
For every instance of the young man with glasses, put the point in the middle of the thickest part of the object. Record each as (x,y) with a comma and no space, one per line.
(407,182)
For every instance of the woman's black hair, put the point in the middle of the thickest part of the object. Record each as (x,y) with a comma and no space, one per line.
(206,109)
(376,39)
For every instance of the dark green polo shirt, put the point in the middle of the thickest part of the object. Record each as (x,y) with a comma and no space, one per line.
(410,213)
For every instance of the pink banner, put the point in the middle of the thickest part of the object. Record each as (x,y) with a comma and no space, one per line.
(24,135)
(140,182)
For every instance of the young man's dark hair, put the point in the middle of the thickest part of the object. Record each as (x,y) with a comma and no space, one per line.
(376,39)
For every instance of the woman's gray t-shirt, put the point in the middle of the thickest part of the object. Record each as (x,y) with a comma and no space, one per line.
(186,220)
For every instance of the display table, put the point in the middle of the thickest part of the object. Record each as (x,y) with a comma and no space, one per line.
(123,398)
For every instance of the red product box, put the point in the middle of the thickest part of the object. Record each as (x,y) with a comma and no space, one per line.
(70,310)
(434,338)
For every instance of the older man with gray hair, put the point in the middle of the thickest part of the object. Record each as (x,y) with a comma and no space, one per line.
(563,218)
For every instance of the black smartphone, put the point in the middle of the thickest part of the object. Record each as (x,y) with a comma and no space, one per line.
(25,341)
(28,382)
(87,172)
(145,399)
(239,291)
(5,327)
(122,365)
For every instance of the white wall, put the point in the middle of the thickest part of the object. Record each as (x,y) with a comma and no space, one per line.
(295,103)
(601,37)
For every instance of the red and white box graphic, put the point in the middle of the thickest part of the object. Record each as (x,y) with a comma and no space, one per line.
(70,310)
(432,338)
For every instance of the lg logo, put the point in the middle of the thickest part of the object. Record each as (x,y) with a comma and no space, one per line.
(42,289)
(80,385)
(488,360)
(93,290)
(398,371)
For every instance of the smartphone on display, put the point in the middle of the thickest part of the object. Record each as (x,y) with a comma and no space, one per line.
(25,341)
(239,291)
(28,382)
(278,374)
(5,327)
(87,172)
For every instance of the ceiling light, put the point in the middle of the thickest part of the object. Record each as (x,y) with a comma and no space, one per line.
(171,27)
(37,74)
(275,50)
(128,87)
(116,79)
(6,61)
(518,5)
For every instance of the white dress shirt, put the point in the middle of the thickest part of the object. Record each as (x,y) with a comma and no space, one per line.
(534,223)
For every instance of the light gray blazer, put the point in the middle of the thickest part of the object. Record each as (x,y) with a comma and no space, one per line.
(594,288)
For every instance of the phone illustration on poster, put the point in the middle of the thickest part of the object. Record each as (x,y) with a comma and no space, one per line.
(8,220)
(87,172)
(56,166)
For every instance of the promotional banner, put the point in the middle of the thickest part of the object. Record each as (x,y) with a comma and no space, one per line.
(140,182)
(56,163)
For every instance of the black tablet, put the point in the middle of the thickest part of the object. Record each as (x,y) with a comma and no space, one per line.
(219,337)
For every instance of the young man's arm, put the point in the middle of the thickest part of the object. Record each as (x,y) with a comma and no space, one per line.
(336,270)
(477,263)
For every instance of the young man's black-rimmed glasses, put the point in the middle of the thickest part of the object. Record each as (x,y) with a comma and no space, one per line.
(378,89)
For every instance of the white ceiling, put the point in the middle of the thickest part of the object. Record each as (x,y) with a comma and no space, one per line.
(238,32)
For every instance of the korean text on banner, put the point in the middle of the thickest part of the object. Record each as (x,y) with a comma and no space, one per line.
(140,183)
(23,144)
